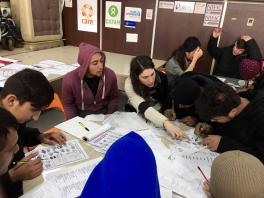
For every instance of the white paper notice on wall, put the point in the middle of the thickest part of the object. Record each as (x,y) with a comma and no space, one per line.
(133,14)
(184,6)
(212,15)
(131,37)
(199,8)
(166,5)
(149,14)
(68,3)
(250,22)
(87,15)
(112,14)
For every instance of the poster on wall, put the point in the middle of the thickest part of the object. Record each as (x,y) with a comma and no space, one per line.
(113,14)
(68,3)
(199,8)
(166,5)
(133,14)
(184,6)
(87,15)
(212,15)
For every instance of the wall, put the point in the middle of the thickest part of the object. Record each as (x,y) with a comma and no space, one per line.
(171,29)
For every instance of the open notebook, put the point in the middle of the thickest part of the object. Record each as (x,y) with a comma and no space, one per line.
(83,129)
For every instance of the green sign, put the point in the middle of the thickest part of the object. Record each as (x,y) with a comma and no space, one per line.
(113,11)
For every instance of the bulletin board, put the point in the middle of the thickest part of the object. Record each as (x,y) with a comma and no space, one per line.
(174,27)
(114,40)
(243,19)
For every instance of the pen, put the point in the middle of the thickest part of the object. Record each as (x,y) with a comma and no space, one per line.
(202,174)
(83,126)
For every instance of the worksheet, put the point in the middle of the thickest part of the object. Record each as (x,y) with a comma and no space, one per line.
(67,182)
(54,156)
(104,141)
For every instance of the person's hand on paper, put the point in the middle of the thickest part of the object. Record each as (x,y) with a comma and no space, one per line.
(203,129)
(173,130)
(28,168)
(207,189)
(212,142)
(170,114)
(189,121)
(52,137)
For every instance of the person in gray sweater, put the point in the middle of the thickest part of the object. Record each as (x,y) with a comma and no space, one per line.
(184,58)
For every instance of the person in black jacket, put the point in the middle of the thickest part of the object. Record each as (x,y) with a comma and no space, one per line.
(237,122)
(185,91)
(25,95)
(229,58)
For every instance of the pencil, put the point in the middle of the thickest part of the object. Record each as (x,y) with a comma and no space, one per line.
(23,161)
(20,162)
(83,126)
(202,174)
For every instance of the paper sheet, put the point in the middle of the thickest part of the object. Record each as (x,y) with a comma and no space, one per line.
(54,156)
(44,190)
(95,117)
(104,141)
(67,183)
(70,181)
(128,121)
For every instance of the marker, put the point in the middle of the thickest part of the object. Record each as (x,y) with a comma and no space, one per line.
(83,126)
(203,174)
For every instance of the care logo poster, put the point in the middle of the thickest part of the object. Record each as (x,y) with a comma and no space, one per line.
(87,15)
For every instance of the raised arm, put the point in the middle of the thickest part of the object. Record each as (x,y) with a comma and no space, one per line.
(212,48)
(252,48)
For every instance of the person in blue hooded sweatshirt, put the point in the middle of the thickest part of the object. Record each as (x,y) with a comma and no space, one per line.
(128,170)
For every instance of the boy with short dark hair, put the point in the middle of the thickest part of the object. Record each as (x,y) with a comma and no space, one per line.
(237,122)
(25,95)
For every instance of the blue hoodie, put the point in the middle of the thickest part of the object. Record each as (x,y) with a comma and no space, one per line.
(128,170)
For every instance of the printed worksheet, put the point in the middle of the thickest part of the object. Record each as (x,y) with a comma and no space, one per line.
(104,141)
(71,180)
(54,156)
(67,182)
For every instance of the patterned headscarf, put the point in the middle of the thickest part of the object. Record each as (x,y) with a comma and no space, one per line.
(249,68)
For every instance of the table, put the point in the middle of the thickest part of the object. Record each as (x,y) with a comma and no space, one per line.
(119,63)
(92,153)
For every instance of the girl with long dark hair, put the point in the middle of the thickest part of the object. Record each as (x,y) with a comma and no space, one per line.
(147,90)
